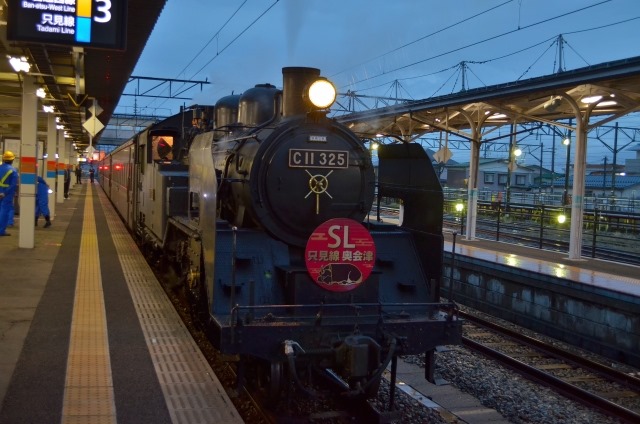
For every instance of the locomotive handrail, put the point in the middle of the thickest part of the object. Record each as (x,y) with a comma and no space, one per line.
(451,308)
(238,139)
(342,305)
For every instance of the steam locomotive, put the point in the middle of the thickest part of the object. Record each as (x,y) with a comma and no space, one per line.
(263,215)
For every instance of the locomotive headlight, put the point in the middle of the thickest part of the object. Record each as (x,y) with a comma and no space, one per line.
(321,93)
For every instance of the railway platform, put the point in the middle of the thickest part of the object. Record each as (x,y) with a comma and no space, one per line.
(87,335)
(589,303)
(620,277)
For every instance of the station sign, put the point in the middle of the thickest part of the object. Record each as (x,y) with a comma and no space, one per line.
(340,255)
(87,23)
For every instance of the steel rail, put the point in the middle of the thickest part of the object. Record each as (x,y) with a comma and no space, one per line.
(567,389)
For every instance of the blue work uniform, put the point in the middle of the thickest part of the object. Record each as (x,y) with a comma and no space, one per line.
(42,199)
(8,185)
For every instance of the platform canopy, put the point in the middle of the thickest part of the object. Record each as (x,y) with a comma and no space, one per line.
(545,99)
(73,76)
(578,100)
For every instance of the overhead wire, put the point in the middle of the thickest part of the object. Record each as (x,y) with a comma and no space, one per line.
(212,38)
(225,47)
(426,36)
(371,77)
(482,41)
(504,56)
(238,36)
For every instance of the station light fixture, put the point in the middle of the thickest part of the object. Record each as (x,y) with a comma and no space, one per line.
(562,218)
(20,64)
(41,93)
(591,99)
(599,100)
(459,209)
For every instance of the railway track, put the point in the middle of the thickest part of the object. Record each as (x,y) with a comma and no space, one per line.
(595,385)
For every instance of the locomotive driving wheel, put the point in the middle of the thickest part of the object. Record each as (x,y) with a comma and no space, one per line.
(196,293)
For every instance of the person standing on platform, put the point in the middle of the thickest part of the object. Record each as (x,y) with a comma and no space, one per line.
(78,174)
(42,202)
(8,185)
(91,174)
(67,181)
(12,211)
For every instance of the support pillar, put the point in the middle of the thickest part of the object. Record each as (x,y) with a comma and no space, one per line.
(28,148)
(61,167)
(577,197)
(50,162)
(472,187)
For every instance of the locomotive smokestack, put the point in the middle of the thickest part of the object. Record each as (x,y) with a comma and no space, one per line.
(295,80)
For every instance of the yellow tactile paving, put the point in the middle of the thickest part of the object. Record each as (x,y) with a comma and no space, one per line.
(88,395)
(192,391)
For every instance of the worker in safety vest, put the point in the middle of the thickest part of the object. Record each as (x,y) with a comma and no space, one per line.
(8,185)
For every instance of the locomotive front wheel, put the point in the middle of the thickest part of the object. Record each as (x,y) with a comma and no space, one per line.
(276,380)
(268,377)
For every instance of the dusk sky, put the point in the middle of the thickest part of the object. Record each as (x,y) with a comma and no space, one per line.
(409,48)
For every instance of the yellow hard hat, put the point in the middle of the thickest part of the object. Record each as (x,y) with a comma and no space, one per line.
(8,155)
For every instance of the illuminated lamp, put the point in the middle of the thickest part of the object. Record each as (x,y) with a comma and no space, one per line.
(591,99)
(322,93)
(562,218)
(20,64)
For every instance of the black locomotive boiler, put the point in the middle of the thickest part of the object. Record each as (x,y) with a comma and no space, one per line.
(263,215)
